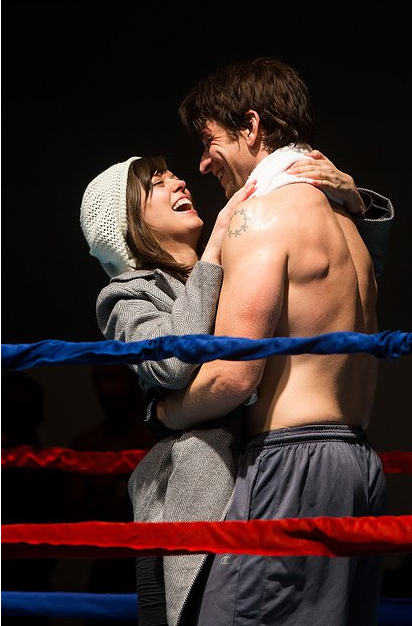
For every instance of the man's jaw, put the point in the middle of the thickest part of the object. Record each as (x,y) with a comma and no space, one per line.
(219,175)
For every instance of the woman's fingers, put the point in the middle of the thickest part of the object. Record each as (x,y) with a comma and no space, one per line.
(242,194)
(308,167)
(247,189)
(318,155)
(314,172)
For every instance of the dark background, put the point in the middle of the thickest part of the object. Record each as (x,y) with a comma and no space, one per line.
(86,85)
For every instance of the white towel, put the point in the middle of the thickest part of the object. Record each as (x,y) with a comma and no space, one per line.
(270,173)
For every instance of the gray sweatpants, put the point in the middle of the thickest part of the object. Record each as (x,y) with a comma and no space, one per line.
(311,471)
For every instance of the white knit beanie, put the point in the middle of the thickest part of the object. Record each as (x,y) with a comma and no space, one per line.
(103,218)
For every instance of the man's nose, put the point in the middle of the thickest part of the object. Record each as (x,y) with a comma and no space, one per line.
(205,165)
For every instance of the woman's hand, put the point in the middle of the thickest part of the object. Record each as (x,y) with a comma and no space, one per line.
(213,248)
(325,175)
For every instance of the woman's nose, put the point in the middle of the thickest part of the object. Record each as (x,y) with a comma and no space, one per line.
(178,184)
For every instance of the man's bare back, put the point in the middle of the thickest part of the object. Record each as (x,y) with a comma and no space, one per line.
(329,286)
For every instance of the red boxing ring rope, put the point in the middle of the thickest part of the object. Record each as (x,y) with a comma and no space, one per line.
(396,462)
(320,536)
(124,462)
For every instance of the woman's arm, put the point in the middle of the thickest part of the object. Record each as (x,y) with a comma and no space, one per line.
(134,308)
(375,225)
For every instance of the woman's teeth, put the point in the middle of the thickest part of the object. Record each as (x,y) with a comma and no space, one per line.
(182,205)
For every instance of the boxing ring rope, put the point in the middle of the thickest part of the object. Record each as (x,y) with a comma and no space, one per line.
(97,463)
(123,606)
(312,536)
(321,536)
(119,606)
(124,461)
(202,348)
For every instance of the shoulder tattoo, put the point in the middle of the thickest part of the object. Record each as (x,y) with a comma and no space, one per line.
(238,223)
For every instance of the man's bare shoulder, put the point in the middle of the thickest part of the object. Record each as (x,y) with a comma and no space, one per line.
(294,197)
(276,210)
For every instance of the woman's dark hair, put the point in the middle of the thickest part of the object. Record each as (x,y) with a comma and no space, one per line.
(270,87)
(141,238)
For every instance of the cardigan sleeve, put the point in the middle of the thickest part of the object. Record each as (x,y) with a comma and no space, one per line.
(375,226)
(134,309)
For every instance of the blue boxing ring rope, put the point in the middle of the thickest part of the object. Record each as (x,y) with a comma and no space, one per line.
(202,348)
(123,606)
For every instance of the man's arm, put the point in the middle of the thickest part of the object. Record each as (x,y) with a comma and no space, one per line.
(254,260)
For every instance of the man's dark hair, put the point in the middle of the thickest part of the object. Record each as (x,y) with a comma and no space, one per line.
(270,87)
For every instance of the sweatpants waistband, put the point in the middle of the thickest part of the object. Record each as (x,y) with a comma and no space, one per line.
(312,432)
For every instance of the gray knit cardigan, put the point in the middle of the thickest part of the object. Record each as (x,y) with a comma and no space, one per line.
(188,477)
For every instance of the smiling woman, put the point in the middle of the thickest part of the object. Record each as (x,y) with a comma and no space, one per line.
(139,215)
(160,207)
(141,224)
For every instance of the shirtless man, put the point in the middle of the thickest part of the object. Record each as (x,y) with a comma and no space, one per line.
(294,265)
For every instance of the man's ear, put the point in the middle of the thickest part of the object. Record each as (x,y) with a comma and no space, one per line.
(253,131)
